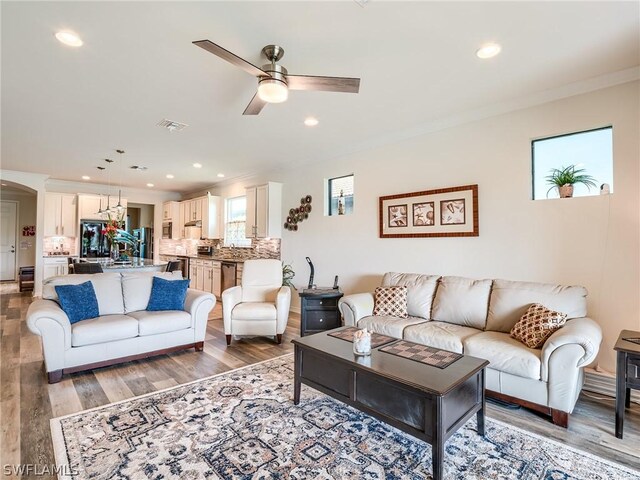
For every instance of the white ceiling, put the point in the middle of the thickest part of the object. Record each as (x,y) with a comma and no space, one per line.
(65,109)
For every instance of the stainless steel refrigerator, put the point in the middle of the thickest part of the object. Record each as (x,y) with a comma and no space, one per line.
(93,242)
(145,238)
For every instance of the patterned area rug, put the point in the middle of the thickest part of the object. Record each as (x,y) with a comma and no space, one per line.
(243,424)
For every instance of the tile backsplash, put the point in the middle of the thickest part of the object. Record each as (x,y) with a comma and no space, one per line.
(260,248)
(60,244)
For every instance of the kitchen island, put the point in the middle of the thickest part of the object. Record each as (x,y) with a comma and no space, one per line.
(133,264)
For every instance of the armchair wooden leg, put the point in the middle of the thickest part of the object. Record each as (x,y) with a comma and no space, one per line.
(199,346)
(228,339)
(55,376)
(279,338)
(560,418)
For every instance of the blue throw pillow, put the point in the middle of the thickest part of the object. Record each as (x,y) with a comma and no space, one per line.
(79,302)
(167,294)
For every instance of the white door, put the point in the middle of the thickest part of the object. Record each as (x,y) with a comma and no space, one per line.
(68,216)
(262,211)
(52,214)
(250,226)
(8,220)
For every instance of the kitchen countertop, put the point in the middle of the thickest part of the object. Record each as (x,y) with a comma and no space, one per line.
(134,262)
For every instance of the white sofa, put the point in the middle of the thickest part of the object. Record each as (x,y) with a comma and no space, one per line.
(124,331)
(475,317)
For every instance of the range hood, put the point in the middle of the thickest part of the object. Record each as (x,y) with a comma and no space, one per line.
(194,223)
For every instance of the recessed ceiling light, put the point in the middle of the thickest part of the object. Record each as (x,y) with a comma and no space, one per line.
(169,175)
(221,175)
(197,165)
(3,184)
(488,50)
(86,177)
(311,121)
(149,184)
(69,38)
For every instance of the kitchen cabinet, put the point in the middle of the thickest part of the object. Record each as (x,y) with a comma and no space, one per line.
(205,276)
(205,210)
(60,215)
(88,206)
(54,267)
(171,212)
(264,211)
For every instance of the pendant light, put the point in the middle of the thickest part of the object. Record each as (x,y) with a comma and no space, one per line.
(107,211)
(119,206)
(100,210)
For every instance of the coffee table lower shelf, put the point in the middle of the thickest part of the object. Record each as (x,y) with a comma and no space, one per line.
(428,416)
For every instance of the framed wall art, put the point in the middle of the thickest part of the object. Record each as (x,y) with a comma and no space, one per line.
(445,212)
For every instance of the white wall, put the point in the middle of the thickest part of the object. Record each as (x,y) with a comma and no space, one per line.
(590,241)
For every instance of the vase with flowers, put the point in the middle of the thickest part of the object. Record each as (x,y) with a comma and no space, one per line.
(111,231)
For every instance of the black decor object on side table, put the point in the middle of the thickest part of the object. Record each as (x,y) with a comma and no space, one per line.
(319,310)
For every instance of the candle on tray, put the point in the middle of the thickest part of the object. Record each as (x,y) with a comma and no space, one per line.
(362,342)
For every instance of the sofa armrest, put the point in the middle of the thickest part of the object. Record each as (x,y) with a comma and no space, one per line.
(356,306)
(199,304)
(46,319)
(583,332)
(230,298)
(283,303)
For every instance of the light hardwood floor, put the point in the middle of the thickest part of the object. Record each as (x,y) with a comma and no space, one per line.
(27,402)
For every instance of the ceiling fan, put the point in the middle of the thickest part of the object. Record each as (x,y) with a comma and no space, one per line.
(274,82)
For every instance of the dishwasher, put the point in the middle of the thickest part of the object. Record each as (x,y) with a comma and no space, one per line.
(228,275)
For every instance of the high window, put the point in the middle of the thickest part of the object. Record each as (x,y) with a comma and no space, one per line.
(340,195)
(234,228)
(587,155)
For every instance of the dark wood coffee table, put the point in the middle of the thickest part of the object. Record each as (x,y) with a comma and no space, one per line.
(427,402)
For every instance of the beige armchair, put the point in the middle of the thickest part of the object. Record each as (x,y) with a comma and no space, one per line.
(261,305)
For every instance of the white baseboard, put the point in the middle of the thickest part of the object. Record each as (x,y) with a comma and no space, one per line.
(605,385)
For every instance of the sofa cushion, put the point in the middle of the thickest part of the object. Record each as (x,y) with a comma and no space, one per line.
(462,301)
(108,288)
(446,336)
(386,325)
(420,291)
(254,311)
(153,323)
(391,301)
(167,294)
(510,300)
(136,288)
(79,302)
(537,325)
(504,353)
(261,280)
(103,329)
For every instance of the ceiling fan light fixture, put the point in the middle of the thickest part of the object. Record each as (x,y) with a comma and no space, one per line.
(272,90)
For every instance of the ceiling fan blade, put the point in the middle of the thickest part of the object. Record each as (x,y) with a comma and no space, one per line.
(232,58)
(323,84)
(255,106)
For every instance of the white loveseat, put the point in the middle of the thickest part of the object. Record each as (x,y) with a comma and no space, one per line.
(475,317)
(124,331)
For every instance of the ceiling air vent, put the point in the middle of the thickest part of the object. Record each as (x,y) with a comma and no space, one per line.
(137,167)
(171,125)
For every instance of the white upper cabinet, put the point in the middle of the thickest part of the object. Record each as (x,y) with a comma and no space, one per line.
(171,212)
(205,210)
(264,211)
(60,215)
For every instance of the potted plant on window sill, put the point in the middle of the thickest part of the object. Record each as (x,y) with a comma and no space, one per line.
(563,179)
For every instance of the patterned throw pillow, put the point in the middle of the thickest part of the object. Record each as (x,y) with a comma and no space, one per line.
(535,326)
(391,301)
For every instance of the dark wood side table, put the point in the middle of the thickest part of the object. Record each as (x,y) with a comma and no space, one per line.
(319,310)
(627,374)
